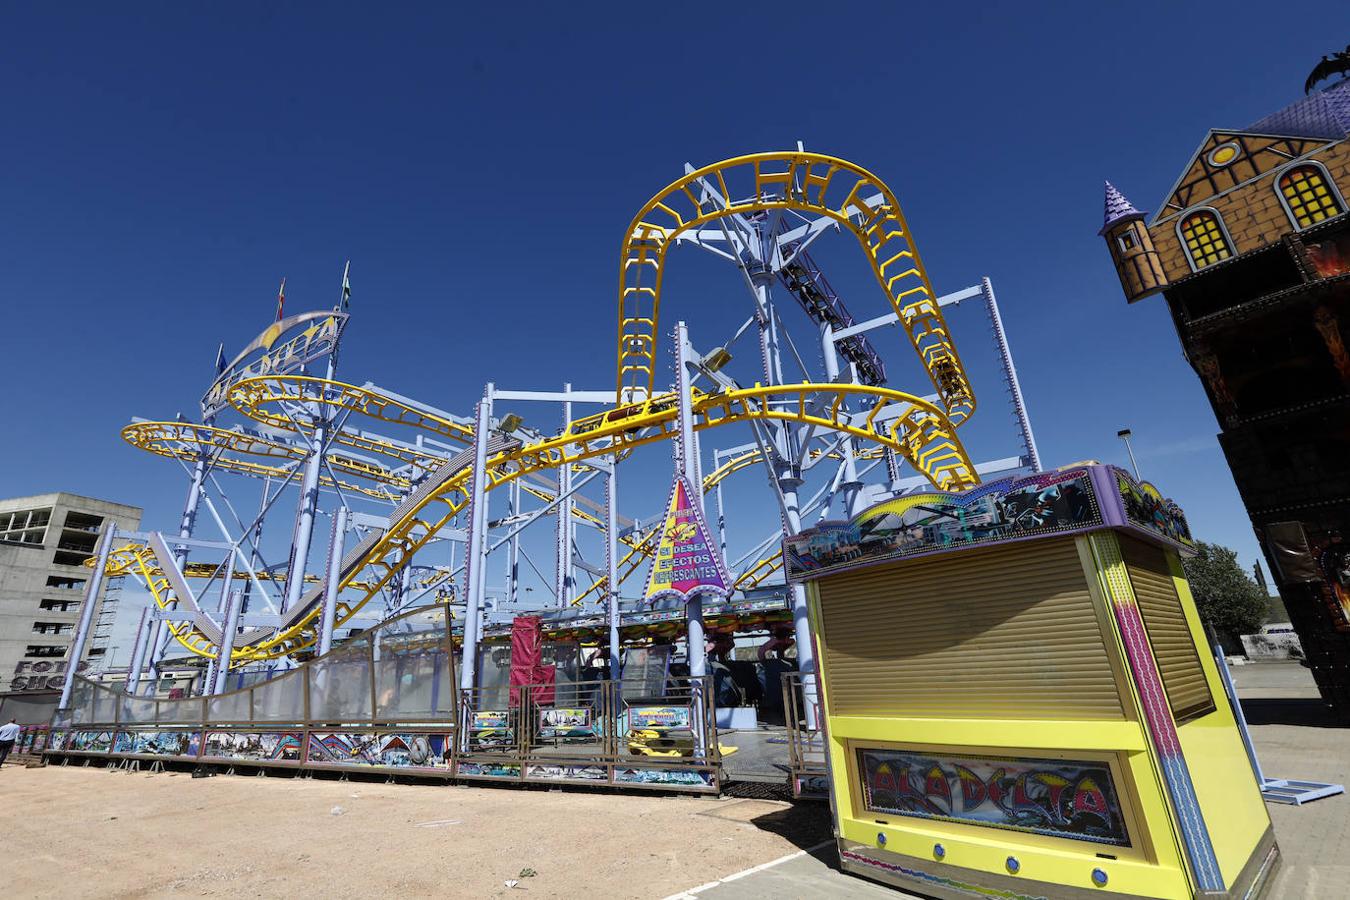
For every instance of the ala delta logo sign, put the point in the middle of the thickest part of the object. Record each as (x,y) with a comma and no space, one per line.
(687,562)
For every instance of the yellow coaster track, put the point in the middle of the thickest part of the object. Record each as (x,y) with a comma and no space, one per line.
(803,182)
(923,433)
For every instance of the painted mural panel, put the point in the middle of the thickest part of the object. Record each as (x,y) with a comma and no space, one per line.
(553,772)
(1059,798)
(1046,503)
(1149,509)
(401,750)
(90,741)
(158,743)
(487,770)
(255,746)
(670,777)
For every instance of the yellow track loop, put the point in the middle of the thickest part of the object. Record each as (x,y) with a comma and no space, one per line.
(188,442)
(919,431)
(805,182)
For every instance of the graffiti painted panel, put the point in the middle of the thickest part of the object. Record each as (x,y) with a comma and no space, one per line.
(1147,508)
(254,746)
(1060,798)
(487,770)
(561,722)
(90,742)
(158,743)
(567,773)
(1047,503)
(403,750)
(671,777)
(57,741)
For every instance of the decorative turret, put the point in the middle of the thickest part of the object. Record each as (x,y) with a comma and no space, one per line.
(1131,247)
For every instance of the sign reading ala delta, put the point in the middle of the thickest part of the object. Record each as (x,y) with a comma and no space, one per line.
(687,562)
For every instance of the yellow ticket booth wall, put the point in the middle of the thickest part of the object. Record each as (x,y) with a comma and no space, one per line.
(1019,701)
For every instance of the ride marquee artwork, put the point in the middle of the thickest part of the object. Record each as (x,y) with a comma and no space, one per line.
(687,562)
(1055,797)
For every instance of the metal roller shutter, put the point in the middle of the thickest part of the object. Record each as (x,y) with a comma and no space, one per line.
(1175,652)
(1005,633)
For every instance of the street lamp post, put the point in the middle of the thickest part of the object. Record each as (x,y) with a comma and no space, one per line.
(1124,434)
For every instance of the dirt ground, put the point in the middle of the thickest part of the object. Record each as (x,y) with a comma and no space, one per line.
(77,832)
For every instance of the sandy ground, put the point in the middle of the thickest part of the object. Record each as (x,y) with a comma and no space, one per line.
(77,832)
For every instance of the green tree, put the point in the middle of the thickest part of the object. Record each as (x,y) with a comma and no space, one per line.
(1227,597)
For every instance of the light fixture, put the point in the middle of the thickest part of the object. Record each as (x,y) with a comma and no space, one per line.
(716,359)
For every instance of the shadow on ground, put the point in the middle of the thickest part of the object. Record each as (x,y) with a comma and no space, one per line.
(1309,712)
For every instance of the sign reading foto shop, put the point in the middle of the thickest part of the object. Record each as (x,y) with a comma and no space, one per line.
(1055,797)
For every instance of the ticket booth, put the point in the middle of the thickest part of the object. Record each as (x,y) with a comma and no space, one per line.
(1019,699)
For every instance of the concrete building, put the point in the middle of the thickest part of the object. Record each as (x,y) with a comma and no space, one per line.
(44,541)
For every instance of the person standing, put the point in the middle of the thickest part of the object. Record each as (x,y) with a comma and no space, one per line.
(8,735)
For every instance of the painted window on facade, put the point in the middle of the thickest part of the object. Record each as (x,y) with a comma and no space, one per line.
(1308,196)
(1205,241)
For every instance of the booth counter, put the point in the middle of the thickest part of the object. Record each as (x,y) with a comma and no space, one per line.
(1019,700)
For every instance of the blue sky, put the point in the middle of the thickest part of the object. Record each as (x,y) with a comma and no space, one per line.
(164,165)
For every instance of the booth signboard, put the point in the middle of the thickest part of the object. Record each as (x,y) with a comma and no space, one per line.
(687,562)
(558,722)
(264,356)
(1046,503)
(658,717)
(490,719)
(1147,508)
(1054,797)
(1069,501)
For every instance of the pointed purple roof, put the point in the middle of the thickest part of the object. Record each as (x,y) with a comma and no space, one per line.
(1118,209)
(1324,114)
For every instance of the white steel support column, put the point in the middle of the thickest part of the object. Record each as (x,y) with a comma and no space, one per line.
(563,582)
(91,589)
(512,547)
(689,468)
(137,654)
(787,472)
(219,667)
(234,605)
(850,484)
(476,555)
(334,578)
(1010,375)
(612,562)
(304,523)
(159,644)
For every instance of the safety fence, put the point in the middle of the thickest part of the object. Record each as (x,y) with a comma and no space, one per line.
(386,702)
(592,733)
(808,769)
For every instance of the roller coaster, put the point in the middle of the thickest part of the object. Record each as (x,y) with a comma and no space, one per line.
(402,504)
